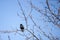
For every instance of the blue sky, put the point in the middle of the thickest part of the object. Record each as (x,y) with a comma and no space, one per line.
(8,18)
(10,21)
(8,13)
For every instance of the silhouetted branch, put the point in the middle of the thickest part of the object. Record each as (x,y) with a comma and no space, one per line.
(32,34)
(53,15)
(39,28)
(23,13)
(10,31)
(9,37)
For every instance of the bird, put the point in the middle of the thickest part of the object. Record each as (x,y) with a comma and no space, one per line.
(22,27)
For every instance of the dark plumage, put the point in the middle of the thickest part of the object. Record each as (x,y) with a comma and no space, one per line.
(22,27)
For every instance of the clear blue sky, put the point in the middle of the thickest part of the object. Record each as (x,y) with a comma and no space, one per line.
(8,13)
(10,21)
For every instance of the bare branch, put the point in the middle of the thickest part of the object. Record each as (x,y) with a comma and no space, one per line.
(23,13)
(9,37)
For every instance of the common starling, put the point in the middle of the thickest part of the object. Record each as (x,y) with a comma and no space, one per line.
(22,27)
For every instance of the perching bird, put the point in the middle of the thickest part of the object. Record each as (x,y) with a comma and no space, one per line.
(22,27)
